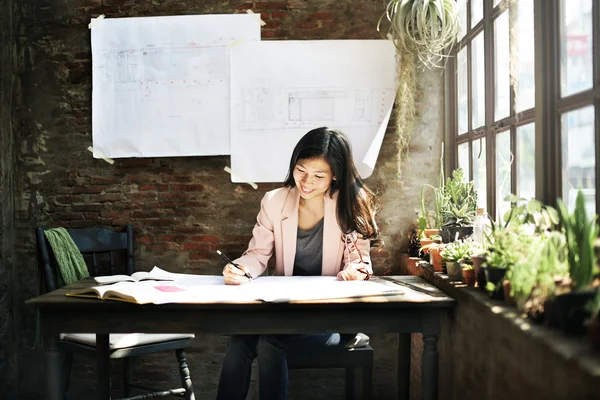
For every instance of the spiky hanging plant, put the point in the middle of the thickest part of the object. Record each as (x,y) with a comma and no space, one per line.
(423,31)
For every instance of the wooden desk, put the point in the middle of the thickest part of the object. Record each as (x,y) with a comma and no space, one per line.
(417,310)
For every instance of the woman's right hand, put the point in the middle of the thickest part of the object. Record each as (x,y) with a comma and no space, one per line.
(235,276)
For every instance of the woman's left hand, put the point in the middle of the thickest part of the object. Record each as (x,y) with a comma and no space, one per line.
(354,272)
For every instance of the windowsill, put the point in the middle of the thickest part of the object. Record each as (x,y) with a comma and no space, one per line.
(571,348)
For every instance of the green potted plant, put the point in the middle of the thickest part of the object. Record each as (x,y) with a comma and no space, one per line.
(458,214)
(424,31)
(508,247)
(580,235)
(542,217)
(453,253)
(532,279)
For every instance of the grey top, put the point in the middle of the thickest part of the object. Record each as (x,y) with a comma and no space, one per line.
(309,251)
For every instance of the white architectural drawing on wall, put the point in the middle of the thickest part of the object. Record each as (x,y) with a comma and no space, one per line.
(161,85)
(283,89)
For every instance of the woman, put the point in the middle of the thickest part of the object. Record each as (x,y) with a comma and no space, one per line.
(322,222)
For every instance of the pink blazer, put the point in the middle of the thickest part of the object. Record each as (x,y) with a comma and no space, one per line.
(276,231)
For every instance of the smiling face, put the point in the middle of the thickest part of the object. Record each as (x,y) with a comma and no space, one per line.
(313,177)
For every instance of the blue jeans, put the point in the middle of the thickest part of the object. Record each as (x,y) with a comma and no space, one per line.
(271,352)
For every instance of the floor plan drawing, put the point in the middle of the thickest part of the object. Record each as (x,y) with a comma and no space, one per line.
(283,89)
(161,85)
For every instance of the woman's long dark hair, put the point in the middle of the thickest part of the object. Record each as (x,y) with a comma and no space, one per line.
(356,203)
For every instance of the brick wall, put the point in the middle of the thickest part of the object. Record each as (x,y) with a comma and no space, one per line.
(8,82)
(182,209)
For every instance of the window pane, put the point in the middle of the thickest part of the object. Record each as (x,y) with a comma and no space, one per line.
(503,177)
(579,157)
(496,2)
(502,75)
(479,172)
(463,158)
(462,18)
(462,91)
(478,83)
(524,71)
(526,161)
(576,46)
(476,11)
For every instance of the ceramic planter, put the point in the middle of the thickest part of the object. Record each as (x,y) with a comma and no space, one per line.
(571,312)
(495,276)
(448,233)
(454,271)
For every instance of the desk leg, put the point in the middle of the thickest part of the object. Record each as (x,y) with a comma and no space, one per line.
(53,365)
(403,366)
(429,376)
(103,365)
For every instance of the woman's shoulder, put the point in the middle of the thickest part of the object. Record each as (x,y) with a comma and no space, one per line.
(277,196)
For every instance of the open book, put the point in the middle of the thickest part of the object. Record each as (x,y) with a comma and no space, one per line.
(141,292)
(156,274)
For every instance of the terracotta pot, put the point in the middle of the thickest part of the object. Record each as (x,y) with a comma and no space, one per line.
(508,299)
(469,276)
(431,232)
(436,259)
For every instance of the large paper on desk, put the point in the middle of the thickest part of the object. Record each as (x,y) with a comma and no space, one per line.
(283,89)
(200,289)
(161,84)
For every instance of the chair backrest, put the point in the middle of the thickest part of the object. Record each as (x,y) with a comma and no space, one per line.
(92,243)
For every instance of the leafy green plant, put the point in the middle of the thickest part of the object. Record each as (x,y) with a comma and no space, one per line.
(534,212)
(460,201)
(460,250)
(508,246)
(580,233)
(533,276)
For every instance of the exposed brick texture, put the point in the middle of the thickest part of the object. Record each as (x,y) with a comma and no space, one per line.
(8,315)
(182,209)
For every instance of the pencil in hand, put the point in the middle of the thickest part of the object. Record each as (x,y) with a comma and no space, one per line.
(227,260)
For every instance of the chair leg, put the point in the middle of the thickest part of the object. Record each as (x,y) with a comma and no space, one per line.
(66,371)
(349,383)
(127,367)
(184,372)
(367,377)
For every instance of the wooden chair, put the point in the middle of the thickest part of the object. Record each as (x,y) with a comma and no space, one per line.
(97,243)
(352,359)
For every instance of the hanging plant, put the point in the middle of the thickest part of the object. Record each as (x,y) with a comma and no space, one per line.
(423,31)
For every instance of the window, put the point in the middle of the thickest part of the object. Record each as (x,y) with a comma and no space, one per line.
(506,141)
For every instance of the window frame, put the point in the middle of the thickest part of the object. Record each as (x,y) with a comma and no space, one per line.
(547,110)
